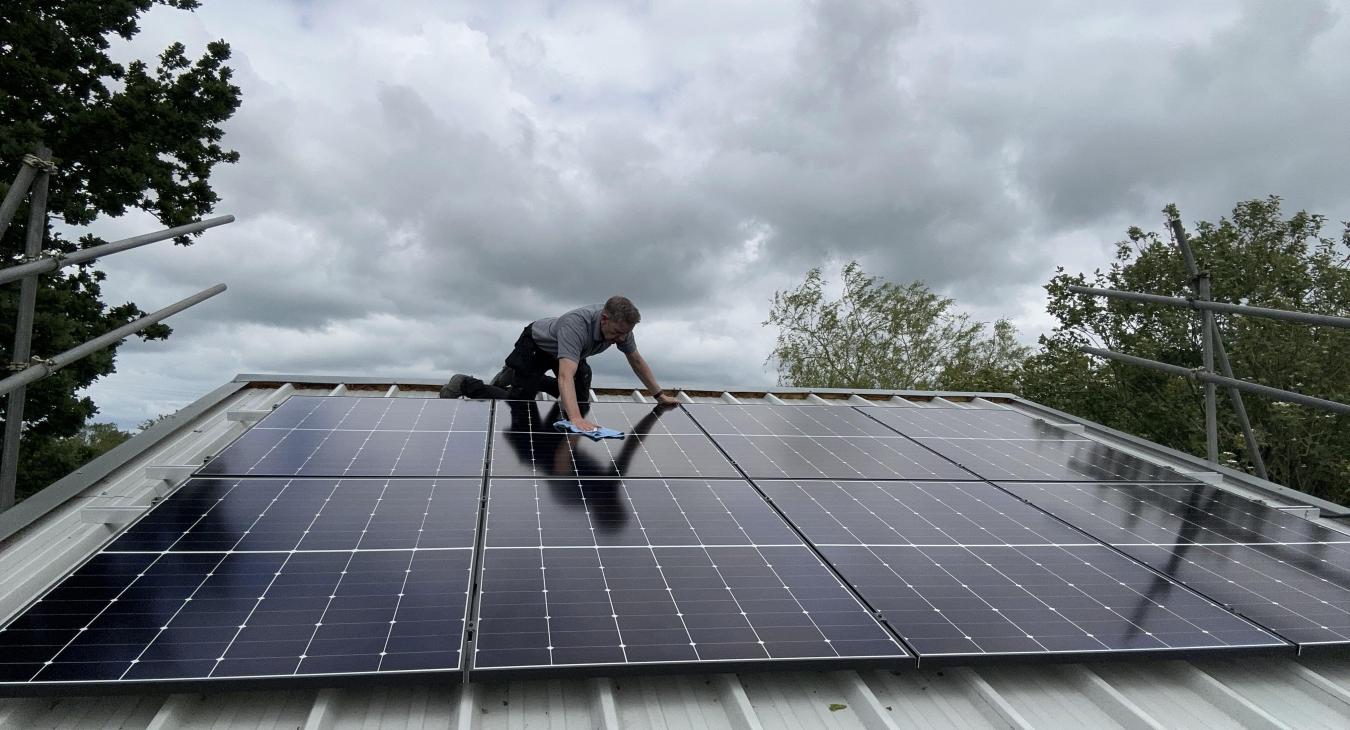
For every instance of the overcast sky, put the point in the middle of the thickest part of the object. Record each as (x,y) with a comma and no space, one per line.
(420,180)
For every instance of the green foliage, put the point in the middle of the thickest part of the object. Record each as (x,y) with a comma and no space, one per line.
(50,459)
(124,137)
(885,336)
(1256,257)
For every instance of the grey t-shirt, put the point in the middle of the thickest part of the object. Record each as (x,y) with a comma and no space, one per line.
(575,335)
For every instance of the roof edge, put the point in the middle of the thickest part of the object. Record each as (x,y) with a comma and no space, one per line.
(25,513)
(252,378)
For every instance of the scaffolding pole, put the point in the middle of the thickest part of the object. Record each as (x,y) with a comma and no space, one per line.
(42,369)
(1194,374)
(23,327)
(1319,320)
(1234,395)
(52,263)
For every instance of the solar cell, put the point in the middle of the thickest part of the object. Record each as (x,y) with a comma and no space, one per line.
(578,574)
(526,444)
(253,578)
(1285,573)
(963,568)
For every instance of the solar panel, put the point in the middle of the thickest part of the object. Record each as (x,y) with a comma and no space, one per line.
(914,513)
(634,512)
(660,442)
(1005,445)
(353,413)
(361,437)
(765,420)
(827,442)
(964,569)
(964,423)
(308,514)
(953,602)
(811,457)
(577,574)
(262,578)
(1287,574)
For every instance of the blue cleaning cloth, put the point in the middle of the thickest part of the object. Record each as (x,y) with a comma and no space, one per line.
(596,435)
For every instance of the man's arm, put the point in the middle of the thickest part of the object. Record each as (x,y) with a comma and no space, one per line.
(644,373)
(567,393)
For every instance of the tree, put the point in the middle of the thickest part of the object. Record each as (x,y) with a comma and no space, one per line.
(1256,257)
(54,458)
(885,336)
(124,137)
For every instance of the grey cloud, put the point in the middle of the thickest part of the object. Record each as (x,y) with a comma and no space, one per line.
(417,185)
(1205,124)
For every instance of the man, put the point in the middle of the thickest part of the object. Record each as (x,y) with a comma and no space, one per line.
(562,344)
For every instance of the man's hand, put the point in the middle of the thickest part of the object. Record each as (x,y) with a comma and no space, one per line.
(666,399)
(584,425)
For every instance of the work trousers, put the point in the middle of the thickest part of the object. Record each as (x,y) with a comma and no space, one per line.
(531,366)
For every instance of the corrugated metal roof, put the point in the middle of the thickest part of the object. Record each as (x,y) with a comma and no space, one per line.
(1271,692)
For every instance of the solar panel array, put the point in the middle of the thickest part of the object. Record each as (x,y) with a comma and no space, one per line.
(348,537)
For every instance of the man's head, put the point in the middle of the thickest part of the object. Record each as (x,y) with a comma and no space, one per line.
(618,319)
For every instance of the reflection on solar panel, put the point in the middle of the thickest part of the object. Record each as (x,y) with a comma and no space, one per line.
(961,601)
(1287,574)
(1004,445)
(660,442)
(361,437)
(963,569)
(602,573)
(1170,514)
(309,514)
(607,513)
(251,578)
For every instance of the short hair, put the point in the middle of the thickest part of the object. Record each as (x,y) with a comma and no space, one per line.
(621,310)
